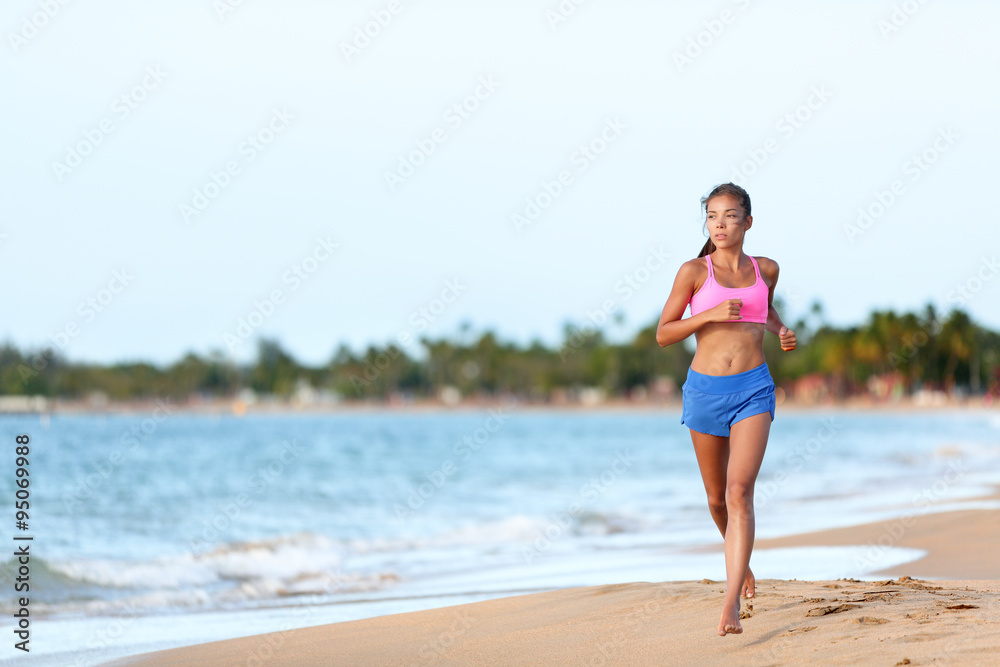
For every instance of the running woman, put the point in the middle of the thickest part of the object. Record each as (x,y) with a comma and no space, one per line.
(728,397)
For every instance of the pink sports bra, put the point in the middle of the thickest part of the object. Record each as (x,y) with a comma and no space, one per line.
(712,294)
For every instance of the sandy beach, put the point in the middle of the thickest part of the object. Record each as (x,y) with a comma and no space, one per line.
(951,616)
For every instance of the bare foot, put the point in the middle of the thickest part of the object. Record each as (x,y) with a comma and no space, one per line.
(730,621)
(748,584)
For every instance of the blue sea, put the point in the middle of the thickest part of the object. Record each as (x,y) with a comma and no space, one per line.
(166,529)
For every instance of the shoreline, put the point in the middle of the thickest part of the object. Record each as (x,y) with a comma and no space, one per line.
(903,621)
(901,617)
(239,409)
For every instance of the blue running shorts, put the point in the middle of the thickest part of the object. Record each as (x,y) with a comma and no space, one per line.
(713,403)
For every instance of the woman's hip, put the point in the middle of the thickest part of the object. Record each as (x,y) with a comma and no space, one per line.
(755,378)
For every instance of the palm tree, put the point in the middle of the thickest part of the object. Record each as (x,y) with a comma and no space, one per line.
(958,339)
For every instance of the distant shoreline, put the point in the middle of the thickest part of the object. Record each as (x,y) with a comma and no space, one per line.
(239,408)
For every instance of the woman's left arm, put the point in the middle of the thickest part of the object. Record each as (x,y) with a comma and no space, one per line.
(769,271)
(774,323)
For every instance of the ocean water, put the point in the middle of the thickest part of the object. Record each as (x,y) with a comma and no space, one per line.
(156,530)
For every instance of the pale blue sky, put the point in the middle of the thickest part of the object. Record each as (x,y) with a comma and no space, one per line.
(675,131)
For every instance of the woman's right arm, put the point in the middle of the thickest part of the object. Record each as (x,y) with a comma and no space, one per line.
(672,328)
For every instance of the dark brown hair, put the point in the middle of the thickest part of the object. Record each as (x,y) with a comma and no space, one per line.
(724,189)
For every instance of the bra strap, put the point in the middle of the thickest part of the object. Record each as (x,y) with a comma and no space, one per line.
(756,269)
(711,274)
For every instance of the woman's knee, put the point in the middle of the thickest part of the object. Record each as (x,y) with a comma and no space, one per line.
(739,497)
(717,504)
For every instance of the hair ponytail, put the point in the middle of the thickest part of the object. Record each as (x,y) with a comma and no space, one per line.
(724,189)
(708,249)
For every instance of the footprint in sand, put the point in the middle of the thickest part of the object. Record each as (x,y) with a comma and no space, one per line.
(880,597)
(804,629)
(926,637)
(823,611)
(870,620)
(910,582)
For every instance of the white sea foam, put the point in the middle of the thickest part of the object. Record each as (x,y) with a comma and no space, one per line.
(234,574)
(502,525)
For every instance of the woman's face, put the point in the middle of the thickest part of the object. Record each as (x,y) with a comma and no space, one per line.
(726,221)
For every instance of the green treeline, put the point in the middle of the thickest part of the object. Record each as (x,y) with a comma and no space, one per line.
(923,350)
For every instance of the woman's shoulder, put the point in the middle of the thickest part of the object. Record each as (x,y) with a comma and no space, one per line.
(691,274)
(766,263)
(768,270)
(694,266)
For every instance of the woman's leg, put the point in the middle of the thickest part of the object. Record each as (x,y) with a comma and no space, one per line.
(712,452)
(747,441)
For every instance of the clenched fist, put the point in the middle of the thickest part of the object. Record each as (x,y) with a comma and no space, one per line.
(725,311)
(787,338)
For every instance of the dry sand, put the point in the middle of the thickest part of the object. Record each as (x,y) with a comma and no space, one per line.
(673,623)
(960,545)
(845,622)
